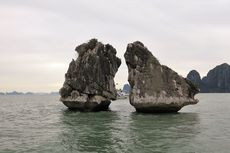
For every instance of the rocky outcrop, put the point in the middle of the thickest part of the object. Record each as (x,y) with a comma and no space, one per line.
(194,76)
(216,81)
(155,87)
(89,81)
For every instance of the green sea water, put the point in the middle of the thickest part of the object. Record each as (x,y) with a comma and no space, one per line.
(37,124)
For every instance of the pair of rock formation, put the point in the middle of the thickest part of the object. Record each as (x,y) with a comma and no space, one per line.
(89,81)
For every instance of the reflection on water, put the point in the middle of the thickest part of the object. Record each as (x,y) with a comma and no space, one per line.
(163,132)
(87,131)
(43,124)
(127,131)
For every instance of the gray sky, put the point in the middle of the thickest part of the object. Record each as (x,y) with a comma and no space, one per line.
(38,37)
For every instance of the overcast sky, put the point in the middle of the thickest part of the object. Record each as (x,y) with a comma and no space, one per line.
(38,37)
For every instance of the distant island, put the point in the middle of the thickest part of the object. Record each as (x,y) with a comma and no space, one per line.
(28,93)
(216,81)
(126,88)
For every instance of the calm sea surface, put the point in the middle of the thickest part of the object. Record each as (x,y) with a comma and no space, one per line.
(32,123)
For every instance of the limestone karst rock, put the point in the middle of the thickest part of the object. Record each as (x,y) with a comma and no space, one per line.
(126,88)
(89,81)
(216,81)
(155,87)
(194,76)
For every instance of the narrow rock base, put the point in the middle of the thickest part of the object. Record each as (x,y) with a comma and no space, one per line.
(158,109)
(162,107)
(87,106)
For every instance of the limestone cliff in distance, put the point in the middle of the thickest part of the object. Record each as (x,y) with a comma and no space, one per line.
(155,87)
(89,81)
(126,88)
(216,81)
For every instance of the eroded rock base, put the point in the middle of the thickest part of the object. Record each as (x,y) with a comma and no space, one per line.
(87,106)
(158,109)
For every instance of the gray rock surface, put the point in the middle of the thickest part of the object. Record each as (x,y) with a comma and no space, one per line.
(155,87)
(89,81)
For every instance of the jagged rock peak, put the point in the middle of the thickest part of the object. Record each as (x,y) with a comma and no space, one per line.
(155,87)
(137,54)
(89,83)
(93,45)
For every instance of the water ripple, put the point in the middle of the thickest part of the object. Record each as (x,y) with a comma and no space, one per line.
(43,124)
